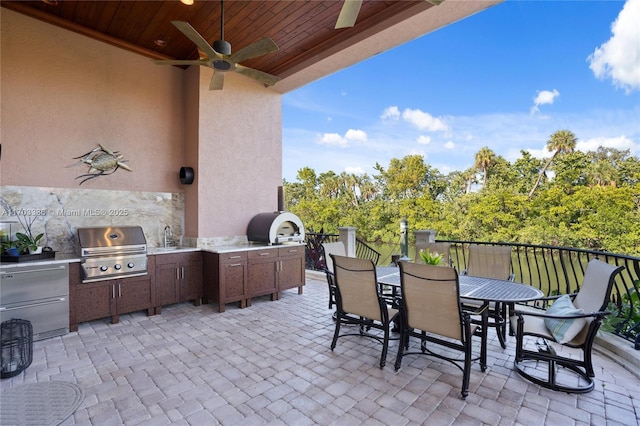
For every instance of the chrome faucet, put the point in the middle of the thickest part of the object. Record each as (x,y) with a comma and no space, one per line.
(168,236)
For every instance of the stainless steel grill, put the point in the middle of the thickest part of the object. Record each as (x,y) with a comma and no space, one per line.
(275,228)
(112,252)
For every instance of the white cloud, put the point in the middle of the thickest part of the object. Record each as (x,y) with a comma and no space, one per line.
(423,120)
(540,154)
(619,57)
(334,139)
(544,97)
(620,143)
(356,135)
(449,145)
(354,170)
(391,113)
(424,140)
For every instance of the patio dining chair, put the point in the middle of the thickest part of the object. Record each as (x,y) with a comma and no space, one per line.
(358,302)
(571,321)
(441,248)
(430,310)
(327,250)
(491,262)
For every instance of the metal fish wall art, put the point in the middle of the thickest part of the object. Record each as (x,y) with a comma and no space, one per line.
(102,161)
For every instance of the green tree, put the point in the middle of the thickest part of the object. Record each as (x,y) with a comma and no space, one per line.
(561,142)
(485,158)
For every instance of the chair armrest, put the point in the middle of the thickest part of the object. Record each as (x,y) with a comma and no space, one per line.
(475,309)
(543,314)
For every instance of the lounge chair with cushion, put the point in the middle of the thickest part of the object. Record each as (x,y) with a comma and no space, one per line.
(572,321)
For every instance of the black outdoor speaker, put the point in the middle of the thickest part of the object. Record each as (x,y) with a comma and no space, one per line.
(16,347)
(186,175)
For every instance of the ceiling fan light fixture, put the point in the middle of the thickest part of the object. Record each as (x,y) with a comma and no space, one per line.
(221,65)
(223,47)
(50,2)
(160,42)
(187,2)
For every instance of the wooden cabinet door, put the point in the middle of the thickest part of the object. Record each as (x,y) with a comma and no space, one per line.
(230,280)
(133,294)
(292,272)
(92,301)
(191,277)
(167,280)
(263,272)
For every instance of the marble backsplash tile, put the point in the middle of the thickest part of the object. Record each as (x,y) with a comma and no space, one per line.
(58,212)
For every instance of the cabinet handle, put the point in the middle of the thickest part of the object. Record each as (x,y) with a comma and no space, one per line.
(235,264)
(293,251)
(113,291)
(265,254)
(182,268)
(177,274)
(235,257)
(119,291)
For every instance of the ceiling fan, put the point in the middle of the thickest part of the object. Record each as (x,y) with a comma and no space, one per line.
(351,9)
(220,58)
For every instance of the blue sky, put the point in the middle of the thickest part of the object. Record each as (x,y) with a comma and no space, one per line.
(506,78)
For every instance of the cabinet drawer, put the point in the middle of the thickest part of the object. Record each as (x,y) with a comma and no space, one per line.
(263,254)
(236,256)
(291,251)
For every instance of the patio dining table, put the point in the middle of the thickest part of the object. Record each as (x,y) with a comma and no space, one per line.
(482,289)
(471,287)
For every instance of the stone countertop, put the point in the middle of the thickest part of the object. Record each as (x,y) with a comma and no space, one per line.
(152,251)
(60,258)
(249,246)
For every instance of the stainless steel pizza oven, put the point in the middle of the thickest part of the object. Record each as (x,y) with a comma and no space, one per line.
(275,228)
(112,252)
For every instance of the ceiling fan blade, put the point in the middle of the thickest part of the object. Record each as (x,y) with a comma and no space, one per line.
(259,48)
(195,37)
(263,77)
(180,62)
(217,81)
(349,13)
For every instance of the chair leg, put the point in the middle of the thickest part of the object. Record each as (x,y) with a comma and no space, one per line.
(401,347)
(385,346)
(336,333)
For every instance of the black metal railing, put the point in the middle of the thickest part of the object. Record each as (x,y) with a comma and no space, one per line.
(314,256)
(554,270)
(560,270)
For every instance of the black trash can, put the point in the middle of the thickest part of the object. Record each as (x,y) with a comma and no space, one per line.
(16,347)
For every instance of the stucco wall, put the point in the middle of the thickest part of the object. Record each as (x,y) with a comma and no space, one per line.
(62,94)
(240,154)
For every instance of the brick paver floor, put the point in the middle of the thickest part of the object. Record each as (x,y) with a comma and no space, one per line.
(271,363)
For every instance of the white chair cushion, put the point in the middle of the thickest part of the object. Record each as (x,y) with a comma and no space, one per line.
(564,330)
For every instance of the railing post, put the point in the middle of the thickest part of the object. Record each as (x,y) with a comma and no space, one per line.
(348,238)
(425,236)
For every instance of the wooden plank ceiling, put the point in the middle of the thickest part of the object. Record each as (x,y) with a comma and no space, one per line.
(303,29)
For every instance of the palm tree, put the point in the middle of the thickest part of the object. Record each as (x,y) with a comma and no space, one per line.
(485,158)
(561,142)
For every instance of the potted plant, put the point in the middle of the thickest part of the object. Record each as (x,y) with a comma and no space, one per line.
(26,243)
(430,259)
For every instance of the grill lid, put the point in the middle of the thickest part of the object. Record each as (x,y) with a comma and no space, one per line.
(111,240)
(111,236)
(112,251)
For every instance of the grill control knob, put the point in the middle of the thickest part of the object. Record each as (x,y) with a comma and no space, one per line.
(117,266)
(104,268)
(130,265)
